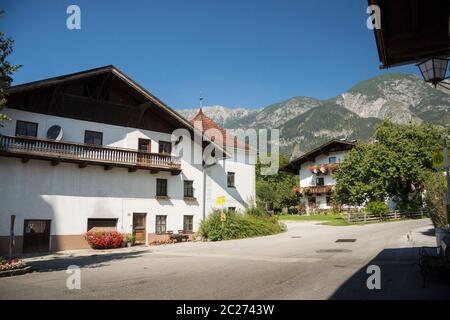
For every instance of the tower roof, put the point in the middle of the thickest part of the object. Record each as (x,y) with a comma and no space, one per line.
(204,123)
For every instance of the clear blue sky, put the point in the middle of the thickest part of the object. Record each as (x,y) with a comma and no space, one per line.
(238,53)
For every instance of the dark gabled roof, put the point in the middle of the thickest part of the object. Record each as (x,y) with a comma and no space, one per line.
(412,30)
(330,146)
(97,71)
(122,76)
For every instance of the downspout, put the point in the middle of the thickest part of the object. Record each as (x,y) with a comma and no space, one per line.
(204,193)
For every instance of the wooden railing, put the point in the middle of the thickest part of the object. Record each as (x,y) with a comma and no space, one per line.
(356,217)
(58,150)
(319,189)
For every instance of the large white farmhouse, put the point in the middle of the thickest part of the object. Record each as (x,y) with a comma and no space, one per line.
(315,169)
(95,149)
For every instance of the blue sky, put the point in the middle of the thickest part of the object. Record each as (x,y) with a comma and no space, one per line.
(238,53)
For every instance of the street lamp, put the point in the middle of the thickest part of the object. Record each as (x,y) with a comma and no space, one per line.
(433,70)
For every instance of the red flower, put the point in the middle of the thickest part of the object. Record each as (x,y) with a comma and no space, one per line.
(104,239)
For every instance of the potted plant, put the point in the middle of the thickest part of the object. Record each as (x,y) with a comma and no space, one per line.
(333,167)
(130,239)
(323,168)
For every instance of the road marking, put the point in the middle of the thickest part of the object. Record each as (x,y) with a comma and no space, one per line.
(240,257)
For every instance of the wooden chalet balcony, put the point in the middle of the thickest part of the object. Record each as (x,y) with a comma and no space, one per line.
(57,151)
(320,189)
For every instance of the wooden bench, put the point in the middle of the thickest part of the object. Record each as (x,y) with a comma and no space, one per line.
(179,237)
(433,259)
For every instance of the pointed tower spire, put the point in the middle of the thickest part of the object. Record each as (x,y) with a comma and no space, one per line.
(201,104)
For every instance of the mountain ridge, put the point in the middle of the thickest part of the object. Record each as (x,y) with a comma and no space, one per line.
(306,122)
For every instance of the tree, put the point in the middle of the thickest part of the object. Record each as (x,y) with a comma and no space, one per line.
(276,188)
(6,69)
(393,165)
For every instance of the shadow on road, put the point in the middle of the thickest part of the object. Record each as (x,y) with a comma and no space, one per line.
(92,261)
(400,279)
(430,232)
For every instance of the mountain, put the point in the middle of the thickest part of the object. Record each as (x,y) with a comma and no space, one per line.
(226,117)
(306,122)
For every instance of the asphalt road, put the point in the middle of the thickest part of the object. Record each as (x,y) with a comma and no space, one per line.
(306,262)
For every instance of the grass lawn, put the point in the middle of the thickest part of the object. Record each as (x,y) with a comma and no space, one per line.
(329,220)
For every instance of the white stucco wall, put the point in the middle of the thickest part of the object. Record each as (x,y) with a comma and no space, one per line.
(244,191)
(69,195)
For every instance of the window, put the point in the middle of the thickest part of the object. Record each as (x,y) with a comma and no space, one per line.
(102,224)
(230,179)
(188,224)
(161,187)
(329,202)
(332,160)
(25,128)
(93,138)
(161,224)
(311,201)
(231,209)
(188,189)
(320,181)
(165,147)
(144,145)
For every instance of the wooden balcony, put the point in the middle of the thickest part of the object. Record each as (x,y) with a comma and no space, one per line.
(28,148)
(320,189)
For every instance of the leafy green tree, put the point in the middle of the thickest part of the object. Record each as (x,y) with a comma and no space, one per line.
(276,188)
(6,69)
(394,164)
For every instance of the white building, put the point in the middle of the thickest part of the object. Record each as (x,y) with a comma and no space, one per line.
(315,170)
(95,149)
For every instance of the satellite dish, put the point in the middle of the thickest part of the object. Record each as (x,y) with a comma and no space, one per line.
(55,133)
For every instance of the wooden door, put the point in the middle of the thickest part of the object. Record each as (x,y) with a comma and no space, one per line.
(36,236)
(144,146)
(139,227)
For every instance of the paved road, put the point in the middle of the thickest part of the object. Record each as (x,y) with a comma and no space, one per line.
(303,263)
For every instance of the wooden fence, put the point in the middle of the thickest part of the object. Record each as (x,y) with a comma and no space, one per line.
(358,217)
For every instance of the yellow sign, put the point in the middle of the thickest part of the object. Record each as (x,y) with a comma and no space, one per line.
(223,216)
(220,201)
(438,158)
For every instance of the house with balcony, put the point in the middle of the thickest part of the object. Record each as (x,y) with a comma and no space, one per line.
(94,149)
(315,171)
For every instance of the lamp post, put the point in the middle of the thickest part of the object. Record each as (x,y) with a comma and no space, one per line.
(433,70)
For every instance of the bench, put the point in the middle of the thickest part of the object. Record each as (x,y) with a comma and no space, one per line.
(433,259)
(178,237)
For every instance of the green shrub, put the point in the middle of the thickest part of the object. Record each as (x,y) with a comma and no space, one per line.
(130,238)
(435,186)
(256,211)
(238,226)
(378,208)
